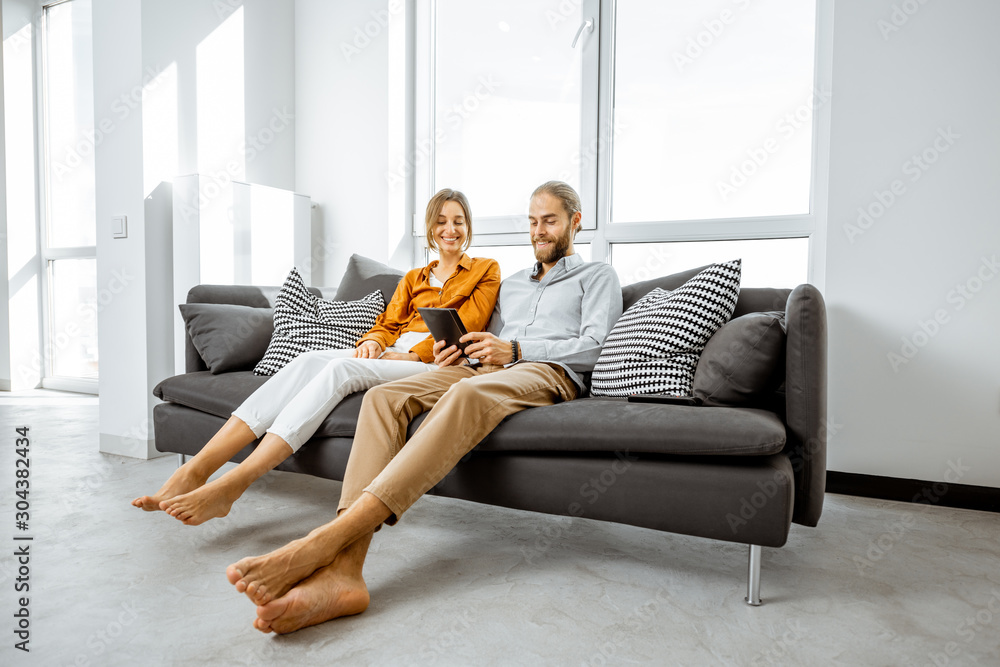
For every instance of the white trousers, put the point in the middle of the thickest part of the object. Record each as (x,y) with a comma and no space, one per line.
(296,400)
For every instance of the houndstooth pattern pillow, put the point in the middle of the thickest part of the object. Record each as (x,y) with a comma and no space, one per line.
(304,322)
(655,345)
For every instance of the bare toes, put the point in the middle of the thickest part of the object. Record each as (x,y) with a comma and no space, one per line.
(258,593)
(233,575)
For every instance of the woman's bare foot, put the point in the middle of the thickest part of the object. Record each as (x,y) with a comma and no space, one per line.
(327,594)
(211,501)
(268,577)
(185,479)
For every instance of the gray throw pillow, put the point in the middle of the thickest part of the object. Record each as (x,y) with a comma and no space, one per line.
(363,276)
(228,337)
(744,362)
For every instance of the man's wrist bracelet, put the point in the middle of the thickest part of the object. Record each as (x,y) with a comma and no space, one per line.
(515,353)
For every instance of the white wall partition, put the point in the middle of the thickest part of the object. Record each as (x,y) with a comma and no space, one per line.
(241,234)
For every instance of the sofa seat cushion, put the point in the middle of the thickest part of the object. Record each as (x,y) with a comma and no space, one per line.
(219,395)
(611,424)
(584,425)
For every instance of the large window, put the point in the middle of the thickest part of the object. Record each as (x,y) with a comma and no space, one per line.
(712,109)
(689,129)
(68,238)
(511,84)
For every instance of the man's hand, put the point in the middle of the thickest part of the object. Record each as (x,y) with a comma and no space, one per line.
(447,356)
(368,350)
(488,348)
(401,356)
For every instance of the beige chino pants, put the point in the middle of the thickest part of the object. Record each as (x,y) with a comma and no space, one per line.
(465,404)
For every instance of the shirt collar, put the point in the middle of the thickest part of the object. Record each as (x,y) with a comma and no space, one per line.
(464,262)
(569,262)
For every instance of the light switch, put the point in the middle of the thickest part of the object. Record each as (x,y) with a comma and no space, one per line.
(119,227)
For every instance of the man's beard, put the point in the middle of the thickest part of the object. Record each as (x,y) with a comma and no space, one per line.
(556,250)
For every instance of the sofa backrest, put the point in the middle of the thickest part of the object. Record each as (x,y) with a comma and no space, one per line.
(752,299)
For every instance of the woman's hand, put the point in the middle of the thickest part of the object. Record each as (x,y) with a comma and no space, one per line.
(401,356)
(368,350)
(488,348)
(447,356)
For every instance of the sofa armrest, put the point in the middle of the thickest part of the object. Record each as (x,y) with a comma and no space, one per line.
(805,400)
(239,295)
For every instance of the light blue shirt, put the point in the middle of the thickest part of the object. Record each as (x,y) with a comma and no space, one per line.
(562,318)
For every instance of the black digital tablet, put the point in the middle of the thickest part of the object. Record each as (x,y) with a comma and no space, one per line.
(444,324)
(663,398)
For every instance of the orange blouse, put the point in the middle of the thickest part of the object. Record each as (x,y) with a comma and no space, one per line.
(472,289)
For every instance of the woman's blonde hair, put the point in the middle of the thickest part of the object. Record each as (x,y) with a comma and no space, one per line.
(434,207)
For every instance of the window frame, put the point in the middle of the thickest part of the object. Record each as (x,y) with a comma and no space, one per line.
(602,233)
(47,254)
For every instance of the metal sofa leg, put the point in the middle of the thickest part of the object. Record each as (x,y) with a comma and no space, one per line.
(753,577)
(180,460)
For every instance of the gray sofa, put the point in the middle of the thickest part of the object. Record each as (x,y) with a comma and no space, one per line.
(736,473)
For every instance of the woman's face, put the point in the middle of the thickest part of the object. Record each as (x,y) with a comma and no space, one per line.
(450,229)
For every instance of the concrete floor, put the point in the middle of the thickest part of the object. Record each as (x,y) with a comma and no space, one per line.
(457,583)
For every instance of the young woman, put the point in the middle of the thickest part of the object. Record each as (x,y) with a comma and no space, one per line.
(288,408)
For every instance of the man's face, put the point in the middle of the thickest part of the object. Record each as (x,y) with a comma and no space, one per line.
(551,229)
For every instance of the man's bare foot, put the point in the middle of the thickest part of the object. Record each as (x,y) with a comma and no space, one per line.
(327,594)
(211,501)
(184,480)
(268,577)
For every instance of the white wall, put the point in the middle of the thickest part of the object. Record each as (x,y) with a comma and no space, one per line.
(133,44)
(125,404)
(342,144)
(172,30)
(269,48)
(896,96)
